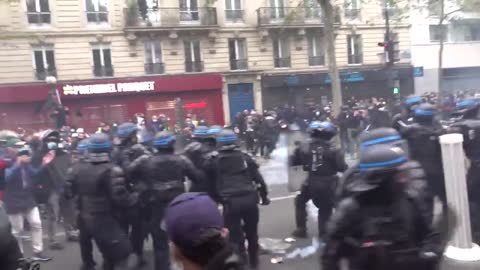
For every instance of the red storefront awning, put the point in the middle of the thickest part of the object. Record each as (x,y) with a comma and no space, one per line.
(21,93)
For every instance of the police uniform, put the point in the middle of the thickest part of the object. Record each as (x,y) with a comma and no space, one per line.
(237,179)
(166,174)
(100,187)
(381,226)
(322,161)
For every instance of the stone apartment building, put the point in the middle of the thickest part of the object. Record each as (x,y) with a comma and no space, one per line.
(115,58)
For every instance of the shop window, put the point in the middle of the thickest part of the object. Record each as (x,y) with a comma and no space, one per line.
(281,53)
(238,54)
(193,57)
(316,51)
(153,57)
(102,60)
(354,43)
(38,12)
(97,11)
(438,32)
(44,61)
(233,10)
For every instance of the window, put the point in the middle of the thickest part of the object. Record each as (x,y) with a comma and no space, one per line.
(97,11)
(233,10)
(44,61)
(189,11)
(238,54)
(193,57)
(102,60)
(354,44)
(438,32)
(352,9)
(277,10)
(281,53)
(465,32)
(153,57)
(38,12)
(316,55)
(312,9)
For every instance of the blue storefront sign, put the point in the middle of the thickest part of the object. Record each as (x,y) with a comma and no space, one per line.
(418,72)
(292,80)
(348,77)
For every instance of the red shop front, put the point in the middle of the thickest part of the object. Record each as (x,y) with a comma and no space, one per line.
(113,100)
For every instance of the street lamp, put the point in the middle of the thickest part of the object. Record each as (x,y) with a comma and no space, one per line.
(51,80)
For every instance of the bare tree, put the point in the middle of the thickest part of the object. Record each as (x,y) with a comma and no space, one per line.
(328,15)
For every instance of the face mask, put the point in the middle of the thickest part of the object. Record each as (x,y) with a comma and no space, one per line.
(52,145)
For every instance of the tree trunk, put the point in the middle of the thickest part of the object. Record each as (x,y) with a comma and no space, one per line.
(328,15)
(440,51)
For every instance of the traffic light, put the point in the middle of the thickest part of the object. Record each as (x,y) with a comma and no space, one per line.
(387,51)
(396,90)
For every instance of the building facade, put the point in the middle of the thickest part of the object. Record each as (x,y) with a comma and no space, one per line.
(461,54)
(114,58)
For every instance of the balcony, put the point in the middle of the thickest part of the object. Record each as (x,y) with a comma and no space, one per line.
(234,15)
(105,71)
(194,66)
(283,62)
(316,60)
(38,17)
(42,74)
(355,59)
(154,68)
(289,17)
(171,19)
(238,64)
(352,14)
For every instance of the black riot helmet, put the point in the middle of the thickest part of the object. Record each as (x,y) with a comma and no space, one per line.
(164,140)
(127,132)
(378,164)
(226,137)
(382,135)
(322,130)
(424,113)
(468,109)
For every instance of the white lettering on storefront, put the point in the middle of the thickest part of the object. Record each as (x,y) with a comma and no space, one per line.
(106,88)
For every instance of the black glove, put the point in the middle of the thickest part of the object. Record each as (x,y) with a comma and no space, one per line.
(265,201)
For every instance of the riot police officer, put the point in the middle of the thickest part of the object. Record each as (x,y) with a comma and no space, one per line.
(237,179)
(423,143)
(469,125)
(416,184)
(199,151)
(322,161)
(127,151)
(406,116)
(166,174)
(381,227)
(100,187)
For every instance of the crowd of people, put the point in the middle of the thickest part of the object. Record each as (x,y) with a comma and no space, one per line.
(126,182)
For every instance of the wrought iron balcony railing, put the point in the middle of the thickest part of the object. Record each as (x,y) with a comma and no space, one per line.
(39,17)
(154,68)
(194,66)
(238,64)
(282,62)
(171,17)
(104,71)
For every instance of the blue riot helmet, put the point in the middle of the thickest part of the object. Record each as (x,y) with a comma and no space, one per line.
(200,133)
(226,137)
(379,164)
(210,139)
(164,140)
(467,109)
(424,113)
(382,135)
(411,102)
(99,147)
(146,137)
(322,130)
(82,149)
(127,132)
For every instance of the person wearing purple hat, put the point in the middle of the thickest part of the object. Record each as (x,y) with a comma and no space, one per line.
(197,234)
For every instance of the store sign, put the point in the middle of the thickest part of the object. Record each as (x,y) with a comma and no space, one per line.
(347,77)
(418,72)
(106,88)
